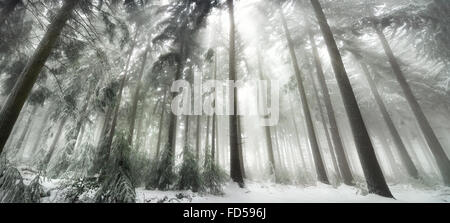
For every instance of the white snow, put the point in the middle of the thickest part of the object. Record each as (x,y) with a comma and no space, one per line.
(276,193)
(266,192)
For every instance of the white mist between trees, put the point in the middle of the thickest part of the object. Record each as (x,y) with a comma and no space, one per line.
(218,99)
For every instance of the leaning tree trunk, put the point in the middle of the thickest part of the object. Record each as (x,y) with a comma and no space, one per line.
(433,143)
(337,141)
(267,131)
(297,137)
(96,166)
(235,139)
(136,98)
(105,126)
(52,148)
(19,94)
(112,130)
(372,171)
(82,113)
(105,148)
(8,8)
(318,160)
(325,128)
(404,155)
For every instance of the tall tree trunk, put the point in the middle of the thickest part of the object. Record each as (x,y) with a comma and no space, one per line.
(136,98)
(325,128)
(371,168)
(161,120)
(214,120)
(298,140)
(198,143)
(235,138)
(82,112)
(208,120)
(52,148)
(97,165)
(139,136)
(105,126)
(268,134)
(106,145)
(337,141)
(318,160)
(7,9)
(241,151)
(172,131)
(217,157)
(19,94)
(433,143)
(404,155)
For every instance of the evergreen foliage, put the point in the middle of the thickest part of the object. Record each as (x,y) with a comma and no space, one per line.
(189,174)
(213,177)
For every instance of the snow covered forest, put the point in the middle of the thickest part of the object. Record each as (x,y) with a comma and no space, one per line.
(86,96)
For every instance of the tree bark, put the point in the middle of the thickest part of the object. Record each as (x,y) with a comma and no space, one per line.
(198,143)
(235,139)
(106,146)
(267,131)
(208,120)
(161,119)
(139,131)
(372,171)
(337,141)
(325,128)
(82,112)
(433,143)
(404,155)
(214,120)
(13,105)
(318,160)
(298,140)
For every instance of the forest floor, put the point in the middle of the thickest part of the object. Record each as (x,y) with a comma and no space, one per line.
(257,192)
(263,192)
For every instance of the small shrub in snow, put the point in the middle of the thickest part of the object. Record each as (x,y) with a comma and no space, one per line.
(34,191)
(62,161)
(190,178)
(77,190)
(213,176)
(117,186)
(12,188)
(163,177)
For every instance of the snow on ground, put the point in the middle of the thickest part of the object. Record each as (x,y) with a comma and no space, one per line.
(276,193)
(266,192)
